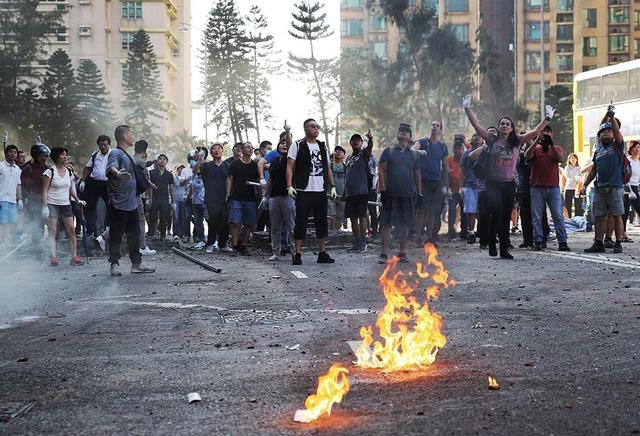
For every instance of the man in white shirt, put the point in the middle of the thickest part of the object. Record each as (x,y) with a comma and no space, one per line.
(95,185)
(10,194)
(308,175)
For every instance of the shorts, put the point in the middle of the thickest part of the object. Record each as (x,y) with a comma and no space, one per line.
(608,200)
(470,200)
(314,204)
(243,212)
(357,206)
(8,212)
(431,194)
(57,211)
(398,211)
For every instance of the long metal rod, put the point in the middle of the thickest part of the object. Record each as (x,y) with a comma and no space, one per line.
(542,65)
(196,261)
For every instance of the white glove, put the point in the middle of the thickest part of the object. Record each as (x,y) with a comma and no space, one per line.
(82,203)
(632,195)
(333,193)
(292,192)
(286,126)
(81,186)
(45,212)
(445,191)
(20,204)
(467,101)
(123,175)
(549,111)
(263,203)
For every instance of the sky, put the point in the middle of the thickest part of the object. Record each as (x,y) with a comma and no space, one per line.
(289,94)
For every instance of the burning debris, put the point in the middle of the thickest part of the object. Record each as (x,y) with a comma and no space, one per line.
(331,388)
(493,383)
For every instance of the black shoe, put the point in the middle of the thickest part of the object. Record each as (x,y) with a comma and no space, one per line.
(617,248)
(297,259)
(323,257)
(544,244)
(483,246)
(608,243)
(382,259)
(363,247)
(525,245)
(563,246)
(538,246)
(402,258)
(471,239)
(285,251)
(493,251)
(597,247)
(504,254)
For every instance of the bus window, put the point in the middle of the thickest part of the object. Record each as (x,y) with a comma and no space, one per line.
(634,84)
(615,87)
(589,92)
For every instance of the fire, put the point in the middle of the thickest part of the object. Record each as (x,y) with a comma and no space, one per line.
(410,333)
(493,383)
(331,388)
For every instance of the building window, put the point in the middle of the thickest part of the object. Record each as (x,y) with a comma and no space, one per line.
(127,39)
(590,18)
(636,20)
(532,61)
(565,5)
(532,91)
(461,31)
(565,32)
(564,62)
(619,14)
(351,3)
(377,22)
(351,51)
(589,67)
(532,31)
(457,6)
(634,82)
(637,52)
(619,43)
(351,27)
(590,46)
(535,4)
(379,49)
(131,9)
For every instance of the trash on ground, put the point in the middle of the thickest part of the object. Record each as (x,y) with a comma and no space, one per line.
(194,397)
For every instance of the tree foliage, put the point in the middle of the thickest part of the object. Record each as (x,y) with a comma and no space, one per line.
(561,98)
(94,105)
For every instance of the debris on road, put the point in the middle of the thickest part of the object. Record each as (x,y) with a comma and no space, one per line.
(493,383)
(11,410)
(196,261)
(299,274)
(294,347)
(478,326)
(194,397)
(23,359)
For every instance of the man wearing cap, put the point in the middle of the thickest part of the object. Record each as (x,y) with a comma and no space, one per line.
(356,190)
(545,187)
(607,171)
(399,181)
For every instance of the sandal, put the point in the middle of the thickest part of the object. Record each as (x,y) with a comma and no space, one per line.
(626,239)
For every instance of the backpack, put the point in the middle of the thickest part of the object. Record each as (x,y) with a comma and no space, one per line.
(626,166)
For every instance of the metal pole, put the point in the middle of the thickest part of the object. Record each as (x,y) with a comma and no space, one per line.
(206,104)
(542,59)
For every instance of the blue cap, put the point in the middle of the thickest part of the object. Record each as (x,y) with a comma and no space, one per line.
(604,126)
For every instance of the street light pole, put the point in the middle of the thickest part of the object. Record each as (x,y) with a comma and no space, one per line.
(542,59)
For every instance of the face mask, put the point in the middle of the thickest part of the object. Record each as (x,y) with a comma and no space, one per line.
(192,163)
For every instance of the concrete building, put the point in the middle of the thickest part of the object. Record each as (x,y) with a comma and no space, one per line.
(101,30)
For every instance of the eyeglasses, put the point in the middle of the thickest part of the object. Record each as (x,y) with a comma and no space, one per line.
(313,126)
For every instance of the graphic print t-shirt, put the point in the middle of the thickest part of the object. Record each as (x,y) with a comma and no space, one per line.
(316,180)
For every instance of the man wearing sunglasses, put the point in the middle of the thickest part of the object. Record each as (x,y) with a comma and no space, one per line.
(308,175)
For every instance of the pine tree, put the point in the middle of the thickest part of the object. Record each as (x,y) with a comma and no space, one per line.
(143,104)
(309,25)
(262,64)
(59,102)
(94,104)
(226,67)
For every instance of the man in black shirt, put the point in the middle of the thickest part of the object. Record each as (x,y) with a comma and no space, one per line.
(242,195)
(160,201)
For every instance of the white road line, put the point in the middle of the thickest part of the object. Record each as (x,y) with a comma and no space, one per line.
(602,260)
(299,274)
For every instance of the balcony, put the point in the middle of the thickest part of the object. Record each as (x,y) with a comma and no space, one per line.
(172,10)
(172,41)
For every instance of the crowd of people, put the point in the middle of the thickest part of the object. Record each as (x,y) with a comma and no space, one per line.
(487,187)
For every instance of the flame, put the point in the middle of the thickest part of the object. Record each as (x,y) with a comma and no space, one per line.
(331,388)
(493,383)
(410,332)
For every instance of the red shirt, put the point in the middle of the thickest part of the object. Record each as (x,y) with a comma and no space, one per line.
(454,174)
(544,168)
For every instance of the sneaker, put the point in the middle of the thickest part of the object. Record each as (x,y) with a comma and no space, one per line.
(608,243)
(102,243)
(199,245)
(525,245)
(597,247)
(284,251)
(186,239)
(141,269)
(211,249)
(115,270)
(483,246)
(168,238)
(504,254)
(226,249)
(382,259)
(471,239)
(54,261)
(176,238)
(538,246)
(354,248)
(75,261)
(146,251)
(493,251)
(297,259)
(323,257)
(363,247)
(563,246)
(274,258)
(515,229)
(402,258)
(244,251)
(617,248)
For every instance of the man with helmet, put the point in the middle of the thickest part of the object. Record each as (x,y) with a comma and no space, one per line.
(31,179)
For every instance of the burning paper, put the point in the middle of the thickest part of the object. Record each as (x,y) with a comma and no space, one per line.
(409,331)
(331,388)
(493,383)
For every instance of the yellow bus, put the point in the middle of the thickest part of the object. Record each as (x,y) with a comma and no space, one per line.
(593,91)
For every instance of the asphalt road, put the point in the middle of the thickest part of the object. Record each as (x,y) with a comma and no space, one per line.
(97,355)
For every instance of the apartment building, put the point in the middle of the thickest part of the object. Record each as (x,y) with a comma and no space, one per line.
(102,30)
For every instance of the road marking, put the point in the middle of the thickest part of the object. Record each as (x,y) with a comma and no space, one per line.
(153,304)
(602,260)
(345,311)
(299,274)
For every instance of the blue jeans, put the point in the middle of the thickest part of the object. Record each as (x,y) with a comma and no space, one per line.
(199,215)
(541,197)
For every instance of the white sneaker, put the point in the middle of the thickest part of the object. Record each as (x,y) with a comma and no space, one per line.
(176,238)
(211,249)
(147,251)
(102,243)
(226,249)
(274,258)
(199,246)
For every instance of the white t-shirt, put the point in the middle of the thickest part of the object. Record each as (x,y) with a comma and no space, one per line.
(58,193)
(9,181)
(99,171)
(186,174)
(635,172)
(316,180)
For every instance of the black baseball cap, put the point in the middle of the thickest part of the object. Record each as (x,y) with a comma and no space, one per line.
(355,137)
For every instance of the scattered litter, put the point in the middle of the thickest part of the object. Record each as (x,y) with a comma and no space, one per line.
(336,354)
(253,400)
(194,397)
(23,359)
(568,405)
(493,383)
(276,277)
(303,415)
(478,326)
(294,347)
(299,274)
(11,410)
(57,315)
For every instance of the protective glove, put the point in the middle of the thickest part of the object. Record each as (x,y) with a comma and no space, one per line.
(20,205)
(333,194)
(286,126)
(263,203)
(81,186)
(123,175)
(549,111)
(632,195)
(45,212)
(445,191)
(292,192)
(467,101)
(82,203)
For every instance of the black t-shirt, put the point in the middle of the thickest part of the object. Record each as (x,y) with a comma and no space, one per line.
(162,181)
(241,173)
(215,181)
(278,177)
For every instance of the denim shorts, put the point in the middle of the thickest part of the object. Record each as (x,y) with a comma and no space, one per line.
(243,212)
(470,200)
(8,212)
(57,211)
